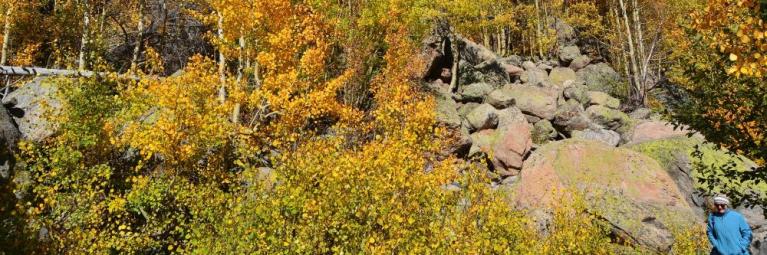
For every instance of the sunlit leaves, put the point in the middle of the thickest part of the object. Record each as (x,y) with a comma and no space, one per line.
(734,28)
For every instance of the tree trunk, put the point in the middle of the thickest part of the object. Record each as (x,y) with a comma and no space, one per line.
(140,36)
(85,37)
(621,51)
(35,71)
(6,35)
(499,40)
(641,51)
(538,29)
(241,58)
(635,96)
(454,47)
(221,61)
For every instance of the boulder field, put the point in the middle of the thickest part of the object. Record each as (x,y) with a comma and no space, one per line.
(558,124)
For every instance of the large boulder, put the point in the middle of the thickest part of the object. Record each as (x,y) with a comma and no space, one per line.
(537,101)
(560,75)
(599,77)
(543,131)
(494,72)
(610,118)
(31,105)
(577,92)
(9,136)
(475,53)
(483,116)
(446,111)
(629,190)
(465,109)
(580,62)
(608,137)
(500,98)
(641,113)
(475,92)
(509,144)
(653,130)
(534,77)
(570,116)
(568,53)
(601,98)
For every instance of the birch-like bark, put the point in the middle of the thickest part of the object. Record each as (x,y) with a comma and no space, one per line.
(139,37)
(221,61)
(638,28)
(538,29)
(6,35)
(454,48)
(241,58)
(84,39)
(641,51)
(637,97)
(621,51)
(499,42)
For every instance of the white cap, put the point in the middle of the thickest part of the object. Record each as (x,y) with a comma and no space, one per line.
(721,200)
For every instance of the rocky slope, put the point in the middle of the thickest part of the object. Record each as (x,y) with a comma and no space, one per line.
(553,123)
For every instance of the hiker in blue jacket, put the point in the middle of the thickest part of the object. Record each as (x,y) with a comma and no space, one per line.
(728,231)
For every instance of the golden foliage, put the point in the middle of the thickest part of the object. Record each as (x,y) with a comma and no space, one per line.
(162,165)
(734,28)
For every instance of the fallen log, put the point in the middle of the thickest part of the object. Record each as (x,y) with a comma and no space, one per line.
(37,71)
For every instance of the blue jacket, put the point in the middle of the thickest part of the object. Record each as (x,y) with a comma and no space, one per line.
(728,233)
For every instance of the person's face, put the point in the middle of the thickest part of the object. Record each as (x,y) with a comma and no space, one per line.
(720,208)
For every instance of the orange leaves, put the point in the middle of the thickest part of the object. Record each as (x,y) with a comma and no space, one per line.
(176,118)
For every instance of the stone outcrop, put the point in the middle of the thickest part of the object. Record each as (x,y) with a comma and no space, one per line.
(629,190)
(31,105)
(557,124)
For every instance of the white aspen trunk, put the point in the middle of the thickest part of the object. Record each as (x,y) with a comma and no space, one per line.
(538,29)
(85,38)
(641,51)
(621,51)
(102,18)
(456,60)
(6,35)
(240,67)
(140,36)
(221,61)
(638,27)
(504,46)
(499,42)
(241,58)
(636,96)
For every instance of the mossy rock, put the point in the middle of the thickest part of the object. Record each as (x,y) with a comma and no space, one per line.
(560,75)
(543,131)
(629,190)
(446,111)
(611,118)
(668,151)
(537,101)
